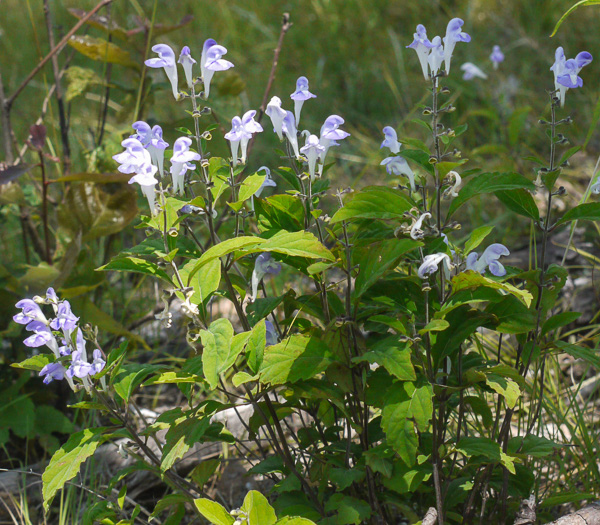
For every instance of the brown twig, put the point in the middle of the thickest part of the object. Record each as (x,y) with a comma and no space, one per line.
(285,25)
(9,102)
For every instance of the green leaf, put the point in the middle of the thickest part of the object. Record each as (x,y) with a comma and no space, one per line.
(479,446)
(420,157)
(217,355)
(257,509)
(255,348)
(559,320)
(581,3)
(204,471)
(130,376)
(569,497)
(520,201)
(532,445)
(181,437)
(298,357)
(394,358)
(584,212)
(477,237)
(376,260)
(206,282)
(296,244)
(135,265)
(568,154)
(280,212)
(36,362)
(505,387)
(79,79)
(435,325)
(471,279)
(101,50)
(349,511)
(407,403)
(249,187)
(489,183)
(374,202)
(66,461)
(213,512)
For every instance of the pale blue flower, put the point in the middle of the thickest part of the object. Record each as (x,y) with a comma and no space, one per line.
(436,56)
(53,371)
(166,60)
(30,311)
(422,46)
(431,262)
(497,56)
(157,147)
(186,60)
(65,320)
(566,72)
(291,132)
(180,160)
(454,34)
(143,132)
(235,137)
(250,126)
(300,96)
(391,140)
(264,265)
(471,71)
(489,259)
(212,61)
(135,156)
(331,133)
(276,114)
(312,149)
(398,166)
(267,183)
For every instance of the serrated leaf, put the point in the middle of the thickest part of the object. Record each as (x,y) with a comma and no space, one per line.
(181,437)
(471,279)
(257,509)
(584,212)
(217,355)
(520,201)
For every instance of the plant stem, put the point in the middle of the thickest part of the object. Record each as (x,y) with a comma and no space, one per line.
(45,184)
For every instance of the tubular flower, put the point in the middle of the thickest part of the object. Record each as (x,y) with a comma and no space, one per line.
(235,137)
(250,127)
(566,72)
(186,60)
(470,71)
(422,46)
(276,114)
(398,166)
(212,61)
(330,134)
(166,60)
(489,259)
(264,265)
(431,262)
(291,132)
(497,56)
(454,34)
(180,162)
(391,140)
(300,96)
(311,150)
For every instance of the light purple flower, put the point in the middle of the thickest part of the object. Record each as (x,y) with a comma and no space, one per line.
(180,160)
(51,296)
(300,96)
(566,71)
(436,56)
(264,265)
(143,132)
(471,71)
(431,262)
(291,132)
(331,133)
(98,363)
(497,56)
(134,158)
(271,334)
(489,259)
(398,166)
(52,371)
(212,61)
(235,137)
(276,114)
(312,149)
(391,140)
(65,319)
(79,366)
(157,147)
(422,46)
(186,60)
(267,183)
(166,60)
(30,311)
(250,126)
(454,34)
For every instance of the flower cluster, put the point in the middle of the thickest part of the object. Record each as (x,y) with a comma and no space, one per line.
(433,53)
(211,60)
(315,147)
(241,132)
(62,335)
